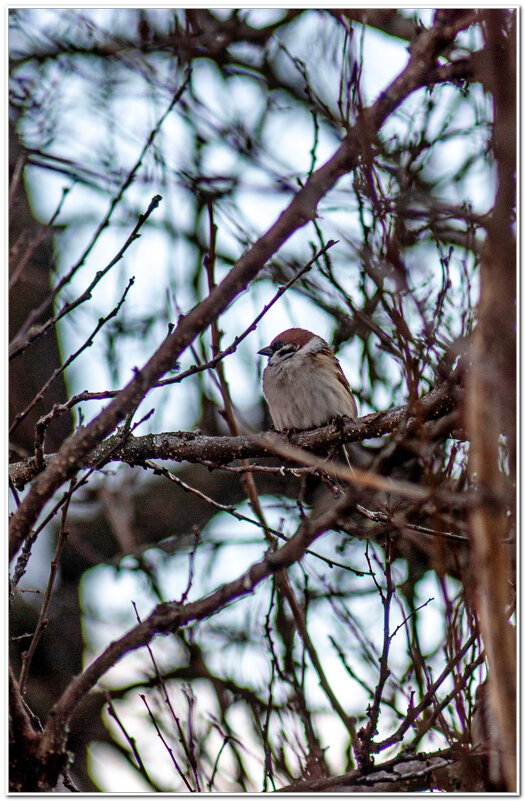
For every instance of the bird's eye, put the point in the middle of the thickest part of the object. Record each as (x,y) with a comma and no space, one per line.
(284,349)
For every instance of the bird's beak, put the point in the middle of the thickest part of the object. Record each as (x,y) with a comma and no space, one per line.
(267,351)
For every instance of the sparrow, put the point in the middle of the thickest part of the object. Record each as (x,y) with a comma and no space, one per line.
(303,382)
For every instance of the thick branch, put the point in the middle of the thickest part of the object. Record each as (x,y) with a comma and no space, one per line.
(169,617)
(192,447)
(447,770)
(301,210)
(491,399)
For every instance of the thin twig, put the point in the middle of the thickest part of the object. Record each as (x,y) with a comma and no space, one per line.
(26,548)
(41,235)
(39,456)
(414,712)
(161,683)
(231,510)
(197,368)
(426,725)
(302,208)
(166,746)
(27,334)
(16,178)
(131,742)
(42,622)
(367,733)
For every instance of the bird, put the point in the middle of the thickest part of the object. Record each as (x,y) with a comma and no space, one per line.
(303,382)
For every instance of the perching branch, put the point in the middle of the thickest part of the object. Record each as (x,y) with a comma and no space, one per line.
(424,52)
(438,404)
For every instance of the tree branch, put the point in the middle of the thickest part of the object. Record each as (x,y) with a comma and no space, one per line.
(193,447)
(301,210)
(491,399)
(169,617)
(406,773)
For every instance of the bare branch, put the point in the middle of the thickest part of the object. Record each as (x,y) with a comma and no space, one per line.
(169,617)
(491,398)
(406,773)
(300,211)
(215,451)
